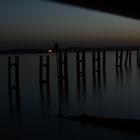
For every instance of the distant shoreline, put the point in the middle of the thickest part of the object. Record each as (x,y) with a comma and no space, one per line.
(69,49)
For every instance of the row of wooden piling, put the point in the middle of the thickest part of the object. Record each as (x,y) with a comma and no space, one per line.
(120,57)
(98,64)
(44,64)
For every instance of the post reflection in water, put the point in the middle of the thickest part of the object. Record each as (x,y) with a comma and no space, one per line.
(13,83)
(44,81)
(128,70)
(44,96)
(120,73)
(97,80)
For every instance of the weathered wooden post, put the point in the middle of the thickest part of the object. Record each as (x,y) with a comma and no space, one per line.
(98,59)
(119,58)
(44,71)
(84,68)
(128,57)
(93,62)
(63,70)
(13,82)
(116,58)
(96,62)
(104,61)
(44,79)
(81,68)
(57,51)
(78,69)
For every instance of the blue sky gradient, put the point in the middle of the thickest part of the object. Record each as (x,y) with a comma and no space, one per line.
(36,20)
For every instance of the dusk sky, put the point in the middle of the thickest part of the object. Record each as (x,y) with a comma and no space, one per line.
(36,20)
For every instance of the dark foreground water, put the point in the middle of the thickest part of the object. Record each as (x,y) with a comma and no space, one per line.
(31,116)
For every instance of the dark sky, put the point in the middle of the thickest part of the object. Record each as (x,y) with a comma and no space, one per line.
(36,20)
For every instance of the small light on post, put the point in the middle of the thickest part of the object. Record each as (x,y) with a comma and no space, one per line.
(50,50)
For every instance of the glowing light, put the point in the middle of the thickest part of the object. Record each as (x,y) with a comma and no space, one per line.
(50,50)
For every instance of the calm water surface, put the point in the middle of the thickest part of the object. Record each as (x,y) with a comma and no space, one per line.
(115,94)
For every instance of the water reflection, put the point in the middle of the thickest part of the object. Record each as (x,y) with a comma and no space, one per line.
(128,70)
(70,104)
(120,73)
(104,78)
(44,95)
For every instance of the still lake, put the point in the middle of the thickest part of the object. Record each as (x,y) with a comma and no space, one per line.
(116,94)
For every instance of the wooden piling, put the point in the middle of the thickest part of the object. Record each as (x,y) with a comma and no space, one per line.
(93,61)
(104,60)
(63,70)
(13,85)
(96,64)
(44,66)
(119,58)
(126,57)
(78,69)
(84,68)
(81,68)
(130,57)
(17,74)
(137,57)
(116,58)
(96,61)
(15,66)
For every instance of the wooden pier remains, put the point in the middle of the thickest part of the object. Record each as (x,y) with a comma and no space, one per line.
(98,66)
(63,71)
(128,58)
(81,68)
(123,57)
(44,81)
(44,72)
(13,82)
(120,58)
